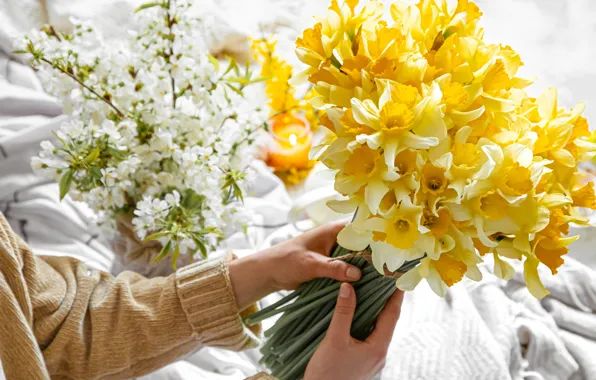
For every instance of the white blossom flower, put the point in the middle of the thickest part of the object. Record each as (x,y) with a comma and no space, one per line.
(173,199)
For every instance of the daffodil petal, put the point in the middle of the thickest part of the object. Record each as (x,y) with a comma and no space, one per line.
(390,153)
(343,206)
(436,283)
(481,234)
(498,105)
(351,239)
(461,136)
(426,243)
(532,277)
(503,269)
(348,184)
(462,118)
(409,280)
(374,193)
(373,141)
(473,273)
(417,142)
(547,103)
(365,112)
(563,157)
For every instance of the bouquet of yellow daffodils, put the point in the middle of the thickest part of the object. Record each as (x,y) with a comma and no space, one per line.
(442,155)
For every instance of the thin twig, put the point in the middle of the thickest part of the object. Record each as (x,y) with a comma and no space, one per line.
(120,113)
(171,54)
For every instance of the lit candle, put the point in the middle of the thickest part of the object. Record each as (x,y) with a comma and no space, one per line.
(292,140)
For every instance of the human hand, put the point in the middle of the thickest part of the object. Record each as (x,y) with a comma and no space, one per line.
(287,265)
(342,357)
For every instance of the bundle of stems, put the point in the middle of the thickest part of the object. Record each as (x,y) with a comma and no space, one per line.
(307,313)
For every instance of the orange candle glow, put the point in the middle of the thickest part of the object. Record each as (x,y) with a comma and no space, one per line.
(292,140)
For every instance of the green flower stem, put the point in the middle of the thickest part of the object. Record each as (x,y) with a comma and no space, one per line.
(369,325)
(268,360)
(295,347)
(339,251)
(334,287)
(319,300)
(254,318)
(292,329)
(312,318)
(287,349)
(290,332)
(291,370)
(366,316)
(296,327)
(369,289)
(304,300)
(270,343)
(365,304)
(298,313)
(276,366)
(369,269)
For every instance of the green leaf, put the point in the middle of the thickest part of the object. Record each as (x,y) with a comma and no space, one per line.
(157,235)
(65,183)
(335,62)
(191,200)
(164,252)
(238,192)
(259,79)
(92,156)
(59,138)
(210,230)
(236,90)
(238,80)
(448,32)
(175,256)
(169,165)
(148,5)
(200,245)
(20,52)
(116,153)
(96,172)
(213,61)
(231,66)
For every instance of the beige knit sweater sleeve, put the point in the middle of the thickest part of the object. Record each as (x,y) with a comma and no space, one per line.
(60,319)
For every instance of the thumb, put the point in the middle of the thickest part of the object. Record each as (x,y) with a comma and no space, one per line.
(339,329)
(336,269)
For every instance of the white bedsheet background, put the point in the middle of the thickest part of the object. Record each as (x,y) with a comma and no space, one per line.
(487,330)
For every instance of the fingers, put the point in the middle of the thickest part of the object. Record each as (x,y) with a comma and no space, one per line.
(381,336)
(335,269)
(323,238)
(339,329)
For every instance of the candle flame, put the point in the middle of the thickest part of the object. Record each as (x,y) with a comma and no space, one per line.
(293,139)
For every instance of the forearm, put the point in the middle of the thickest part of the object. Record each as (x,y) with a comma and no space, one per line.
(251,279)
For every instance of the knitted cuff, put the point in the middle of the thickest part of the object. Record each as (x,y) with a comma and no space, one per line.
(206,294)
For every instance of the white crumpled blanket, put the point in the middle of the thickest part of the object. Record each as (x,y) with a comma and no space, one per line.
(486,330)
